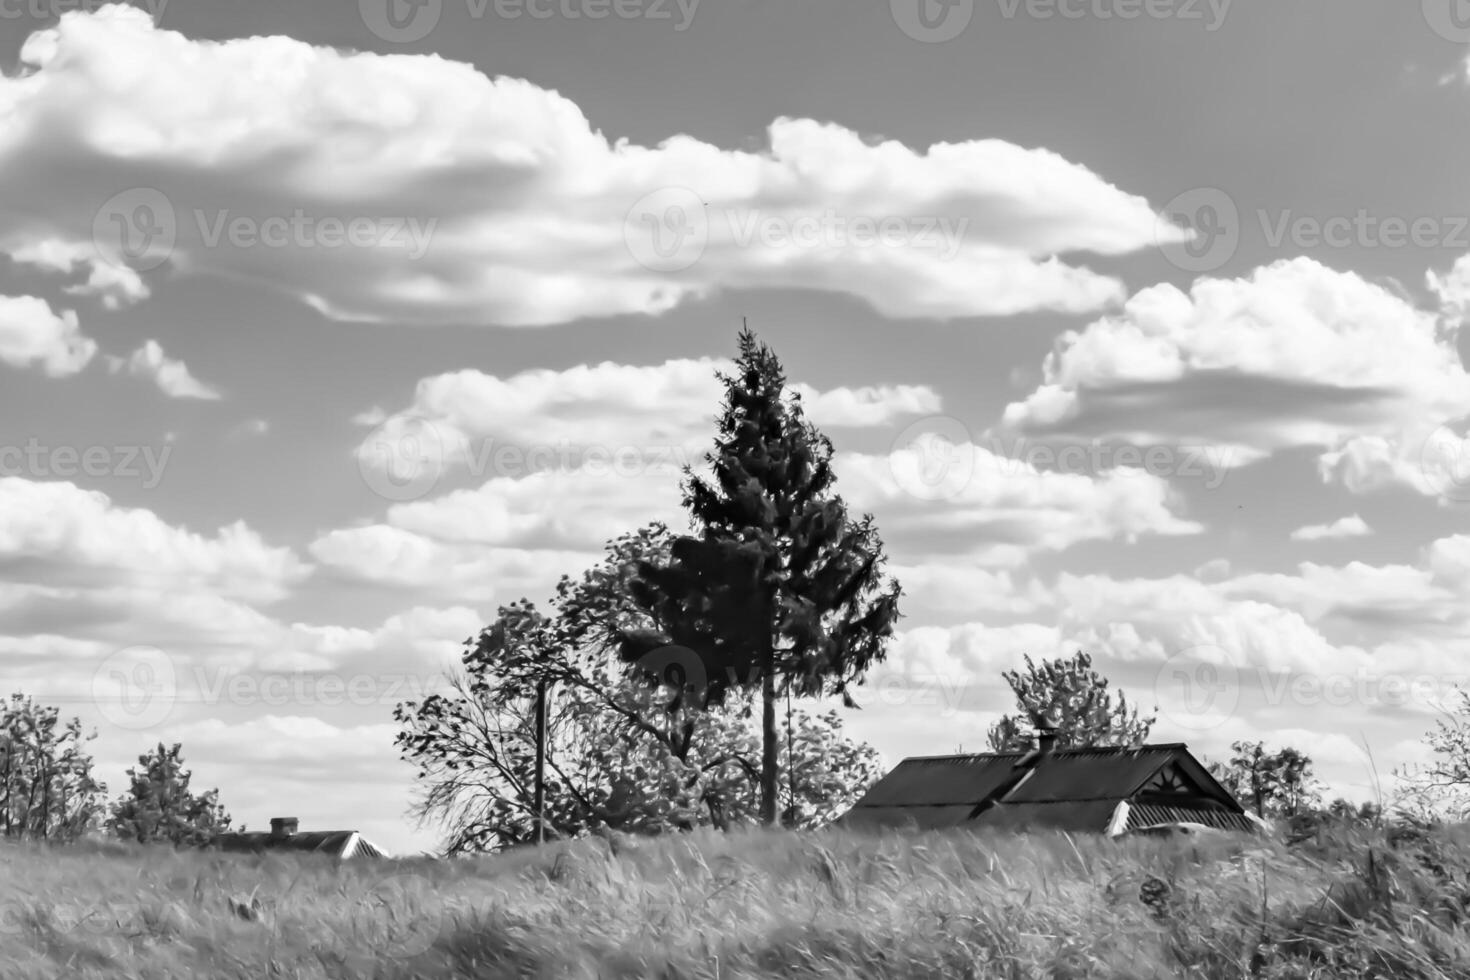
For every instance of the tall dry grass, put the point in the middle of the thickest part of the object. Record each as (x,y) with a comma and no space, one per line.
(829,905)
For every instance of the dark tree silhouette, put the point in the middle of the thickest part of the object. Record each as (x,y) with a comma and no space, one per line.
(778,589)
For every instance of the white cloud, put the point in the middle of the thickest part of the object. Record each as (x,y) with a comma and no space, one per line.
(1296,355)
(494,200)
(635,418)
(31,335)
(170,374)
(1344,527)
(116,285)
(1005,509)
(443,571)
(82,537)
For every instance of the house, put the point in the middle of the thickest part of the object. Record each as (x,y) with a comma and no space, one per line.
(284,836)
(1103,790)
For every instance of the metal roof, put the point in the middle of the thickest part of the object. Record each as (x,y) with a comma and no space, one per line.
(942,780)
(1091,774)
(1069,789)
(340,843)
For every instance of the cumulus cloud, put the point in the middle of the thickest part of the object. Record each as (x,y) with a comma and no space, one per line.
(170,374)
(414,189)
(61,534)
(1296,355)
(998,511)
(115,284)
(608,417)
(32,335)
(1344,527)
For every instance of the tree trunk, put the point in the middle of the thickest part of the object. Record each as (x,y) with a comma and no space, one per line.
(769,767)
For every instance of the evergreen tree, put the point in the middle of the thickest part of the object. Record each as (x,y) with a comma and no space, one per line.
(160,807)
(779,589)
(1077,699)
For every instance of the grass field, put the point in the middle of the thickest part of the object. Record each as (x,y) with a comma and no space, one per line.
(823,905)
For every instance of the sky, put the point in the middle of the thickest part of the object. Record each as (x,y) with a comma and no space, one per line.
(325,329)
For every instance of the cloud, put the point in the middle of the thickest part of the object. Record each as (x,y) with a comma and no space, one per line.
(1344,527)
(414,189)
(1001,510)
(60,534)
(31,335)
(1295,356)
(170,375)
(442,571)
(117,285)
(631,418)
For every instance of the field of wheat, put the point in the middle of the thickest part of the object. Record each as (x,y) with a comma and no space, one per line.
(1351,903)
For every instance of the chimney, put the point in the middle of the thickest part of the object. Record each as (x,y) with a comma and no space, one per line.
(282,827)
(1046,735)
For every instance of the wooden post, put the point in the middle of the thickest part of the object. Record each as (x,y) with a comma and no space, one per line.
(540,802)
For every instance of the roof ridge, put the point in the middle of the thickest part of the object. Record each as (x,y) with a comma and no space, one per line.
(1119,749)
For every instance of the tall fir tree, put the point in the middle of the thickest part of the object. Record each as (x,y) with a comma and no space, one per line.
(779,589)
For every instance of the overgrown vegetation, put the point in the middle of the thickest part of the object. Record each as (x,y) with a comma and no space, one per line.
(1353,901)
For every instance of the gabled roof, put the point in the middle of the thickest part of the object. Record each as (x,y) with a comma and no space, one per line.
(1107,789)
(338,843)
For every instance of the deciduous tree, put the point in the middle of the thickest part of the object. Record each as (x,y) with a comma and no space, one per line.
(1078,701)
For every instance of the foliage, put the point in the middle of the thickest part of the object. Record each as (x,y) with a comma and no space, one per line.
(626,750)
(1078,701)
(1272,784)
(778,590)
(46,785)
(160,807)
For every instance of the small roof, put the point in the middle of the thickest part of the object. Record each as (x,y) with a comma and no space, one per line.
(338,843)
